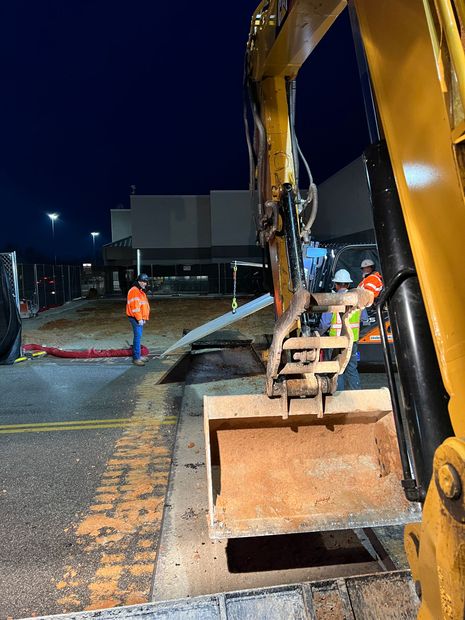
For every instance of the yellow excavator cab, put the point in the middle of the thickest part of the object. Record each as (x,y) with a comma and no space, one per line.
(274,472)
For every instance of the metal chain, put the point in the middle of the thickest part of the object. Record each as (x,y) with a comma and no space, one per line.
(234,301)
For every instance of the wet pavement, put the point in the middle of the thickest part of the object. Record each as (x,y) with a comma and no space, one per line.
(85,453)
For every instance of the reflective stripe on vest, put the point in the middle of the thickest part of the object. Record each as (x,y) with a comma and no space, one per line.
(336,325)
(354,322)
(372,282)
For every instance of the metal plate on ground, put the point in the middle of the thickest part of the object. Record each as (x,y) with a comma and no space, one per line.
(390,598)
(203,609)
(384,596)
(221,322)
(266,604)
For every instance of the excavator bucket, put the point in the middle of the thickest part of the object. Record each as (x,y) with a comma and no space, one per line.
(277,472)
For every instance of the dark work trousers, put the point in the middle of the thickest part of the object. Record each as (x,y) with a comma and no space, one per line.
(137,330)
(350,379)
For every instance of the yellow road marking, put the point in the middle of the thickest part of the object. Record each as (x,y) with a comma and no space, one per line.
(49,429)
(84,422)
(127,508)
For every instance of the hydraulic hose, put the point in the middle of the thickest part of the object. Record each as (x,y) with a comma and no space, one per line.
(261,151)
(312,197)
(247,134)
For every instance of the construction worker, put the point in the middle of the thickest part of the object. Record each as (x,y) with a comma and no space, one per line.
(331,322)
(138,311)
(372,280)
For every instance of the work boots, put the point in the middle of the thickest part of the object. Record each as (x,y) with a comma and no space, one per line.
(139,362)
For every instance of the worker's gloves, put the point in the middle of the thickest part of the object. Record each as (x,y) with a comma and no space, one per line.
(141,322)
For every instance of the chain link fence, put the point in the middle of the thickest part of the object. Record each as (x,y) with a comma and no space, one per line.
(94,282)
(178,280)
(45,286)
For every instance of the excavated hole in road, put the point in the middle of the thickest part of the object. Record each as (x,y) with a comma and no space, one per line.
(292,551)
(214,365)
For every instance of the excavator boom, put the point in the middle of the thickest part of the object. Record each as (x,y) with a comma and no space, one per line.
(305,456)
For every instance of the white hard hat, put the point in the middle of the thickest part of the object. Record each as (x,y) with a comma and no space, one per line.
(367,263)
(342,276)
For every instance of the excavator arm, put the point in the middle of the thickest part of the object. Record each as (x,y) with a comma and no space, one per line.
(412,51)
(303,456)
(278,44)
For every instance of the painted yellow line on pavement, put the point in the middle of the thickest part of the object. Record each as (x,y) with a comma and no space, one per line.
(122,524)
(88,427)
(84,422)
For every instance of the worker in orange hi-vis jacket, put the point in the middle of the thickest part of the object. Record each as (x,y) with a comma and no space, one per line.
(138,312)
(372,280)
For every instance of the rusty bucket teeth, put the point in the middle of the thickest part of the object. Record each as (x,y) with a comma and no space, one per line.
(268,475)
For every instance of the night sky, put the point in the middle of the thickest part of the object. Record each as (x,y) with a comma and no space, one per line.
(100,95)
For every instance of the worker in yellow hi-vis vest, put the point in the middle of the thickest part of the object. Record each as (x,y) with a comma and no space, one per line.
(331,322)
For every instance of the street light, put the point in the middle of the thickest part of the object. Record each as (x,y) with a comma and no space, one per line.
(53,217)
(94,234)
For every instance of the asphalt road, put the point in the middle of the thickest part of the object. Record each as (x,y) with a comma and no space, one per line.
(60,424)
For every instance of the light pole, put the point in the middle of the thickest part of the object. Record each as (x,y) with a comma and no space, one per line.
(53,217)
(94,234)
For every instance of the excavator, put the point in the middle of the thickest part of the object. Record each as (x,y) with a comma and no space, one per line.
(303,456)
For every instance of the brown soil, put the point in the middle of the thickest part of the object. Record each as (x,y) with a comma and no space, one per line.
(332,472)
(103,323)
(58,324)
(328,604)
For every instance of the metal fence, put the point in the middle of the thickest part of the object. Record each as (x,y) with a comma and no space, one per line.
(45,286)
(178,280)
(8,260)
(94,282)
